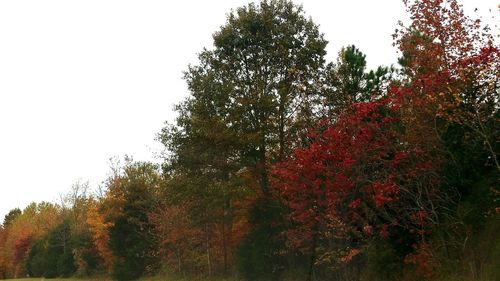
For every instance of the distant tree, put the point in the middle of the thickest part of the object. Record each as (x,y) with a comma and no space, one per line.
(99,234)
(37,263)
(35,221)
(130,197)
(177,238)
(11,217)
(76,204)
(203,180)
(348,81)
(3,237)
(52,255)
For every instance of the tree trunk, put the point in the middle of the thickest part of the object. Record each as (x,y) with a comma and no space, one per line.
(179,261)
(282,130)
(209,257)
(264,180)
(312,259)
(224,235)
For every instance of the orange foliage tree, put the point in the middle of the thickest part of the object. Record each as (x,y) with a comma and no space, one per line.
(35,221)
(99,228)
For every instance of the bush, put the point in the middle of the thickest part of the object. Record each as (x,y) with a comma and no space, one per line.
(382,262)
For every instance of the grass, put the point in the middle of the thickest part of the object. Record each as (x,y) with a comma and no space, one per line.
(156,278)
(58,279)
(52,279)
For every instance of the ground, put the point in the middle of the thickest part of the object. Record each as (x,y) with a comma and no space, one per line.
(157,278)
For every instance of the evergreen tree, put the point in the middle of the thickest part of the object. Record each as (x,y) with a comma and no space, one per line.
(52,255)
(348,81)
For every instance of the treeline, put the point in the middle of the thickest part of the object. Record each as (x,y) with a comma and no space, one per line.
(283,166)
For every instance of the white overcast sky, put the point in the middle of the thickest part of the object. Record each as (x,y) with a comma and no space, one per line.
(83,81)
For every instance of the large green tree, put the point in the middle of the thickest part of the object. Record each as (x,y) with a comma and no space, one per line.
(250,98)
(252,86)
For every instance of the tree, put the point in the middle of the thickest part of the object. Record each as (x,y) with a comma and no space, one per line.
(204,182)
(176,237)
(252,83)
(347,82)
(76,204)
(52,255)
(452,60)
(8,221)
(250,97)
(11,217)
(99,232)
(130,197)
(359,178)
(451,66)
(35,221)
(3,269)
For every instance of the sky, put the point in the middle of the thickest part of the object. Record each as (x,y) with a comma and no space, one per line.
(84,81)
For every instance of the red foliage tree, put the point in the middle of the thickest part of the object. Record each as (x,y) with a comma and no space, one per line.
(452,63)
(21,251)
(358,178)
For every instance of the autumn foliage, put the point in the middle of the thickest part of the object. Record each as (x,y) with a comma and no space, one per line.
(282,166)
(357,179)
